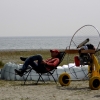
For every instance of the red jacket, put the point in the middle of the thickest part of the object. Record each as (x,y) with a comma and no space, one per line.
(52,62)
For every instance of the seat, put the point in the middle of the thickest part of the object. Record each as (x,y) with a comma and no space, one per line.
(40,73)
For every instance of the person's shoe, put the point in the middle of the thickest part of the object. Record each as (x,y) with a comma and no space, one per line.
(19,72)
(23,58)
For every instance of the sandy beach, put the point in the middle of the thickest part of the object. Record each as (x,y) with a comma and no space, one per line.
(77,90)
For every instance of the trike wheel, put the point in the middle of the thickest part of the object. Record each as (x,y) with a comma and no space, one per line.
(94,83)
(64,79)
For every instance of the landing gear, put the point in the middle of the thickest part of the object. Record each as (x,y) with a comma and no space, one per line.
(94,83)
(64,79)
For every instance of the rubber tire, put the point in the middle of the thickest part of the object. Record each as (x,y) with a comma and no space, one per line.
(94,83)
(62,79)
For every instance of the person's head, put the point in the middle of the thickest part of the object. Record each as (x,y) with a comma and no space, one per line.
(54,53)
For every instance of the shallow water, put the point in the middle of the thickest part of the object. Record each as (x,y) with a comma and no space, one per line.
(40,42)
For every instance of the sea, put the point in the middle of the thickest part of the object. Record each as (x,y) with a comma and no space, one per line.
(42,42)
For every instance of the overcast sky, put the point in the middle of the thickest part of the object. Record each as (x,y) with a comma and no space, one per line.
(47,17)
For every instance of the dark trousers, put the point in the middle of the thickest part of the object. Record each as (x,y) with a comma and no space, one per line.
(34,62)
